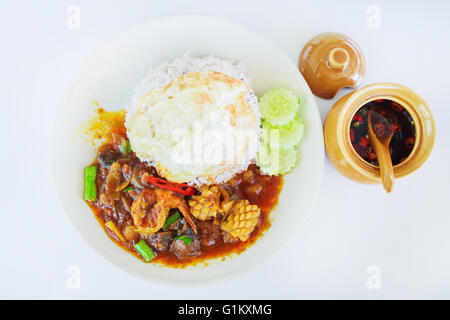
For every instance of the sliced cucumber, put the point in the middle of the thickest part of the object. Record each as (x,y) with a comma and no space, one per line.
(275,162)
(279,106)
(289,135)
(263,156)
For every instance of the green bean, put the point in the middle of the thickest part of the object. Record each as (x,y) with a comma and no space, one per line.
(90,189)
(171,219)
(145,251)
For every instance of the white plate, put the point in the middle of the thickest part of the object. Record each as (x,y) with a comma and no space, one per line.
(109,76)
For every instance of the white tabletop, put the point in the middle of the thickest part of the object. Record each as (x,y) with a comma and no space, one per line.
(358,243)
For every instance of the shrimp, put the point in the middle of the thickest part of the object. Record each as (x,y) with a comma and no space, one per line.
(151,209)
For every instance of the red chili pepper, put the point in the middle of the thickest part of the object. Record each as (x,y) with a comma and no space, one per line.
(172,186)
(409,143)
(379,129)
(396,106)
(371,156)
(363,142)
(357,118)
(393,127)
(352,135)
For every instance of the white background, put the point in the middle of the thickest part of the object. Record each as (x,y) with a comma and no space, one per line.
(352,226)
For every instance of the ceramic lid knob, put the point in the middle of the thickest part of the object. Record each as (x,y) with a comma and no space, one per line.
(331,61)
(338,58)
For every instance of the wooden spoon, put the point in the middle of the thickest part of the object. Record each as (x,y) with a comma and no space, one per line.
(381,148)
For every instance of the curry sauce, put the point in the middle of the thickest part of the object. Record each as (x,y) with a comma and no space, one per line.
(209,242)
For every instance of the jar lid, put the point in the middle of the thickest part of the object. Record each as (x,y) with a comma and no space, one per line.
(331,61)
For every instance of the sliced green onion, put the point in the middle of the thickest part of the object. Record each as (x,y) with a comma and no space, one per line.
(145,251)
(128,147)
(90,189)
(171,219)
(129,189)
(125,147)
(184,238)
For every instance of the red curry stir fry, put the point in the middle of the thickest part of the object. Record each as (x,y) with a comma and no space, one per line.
(172,223)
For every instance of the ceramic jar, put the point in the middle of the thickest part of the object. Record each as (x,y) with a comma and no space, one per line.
(337,131)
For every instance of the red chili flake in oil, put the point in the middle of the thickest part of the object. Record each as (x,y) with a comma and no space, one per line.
(404,136)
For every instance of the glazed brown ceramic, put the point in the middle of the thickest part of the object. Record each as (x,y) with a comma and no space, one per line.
(331,61)
(337,138)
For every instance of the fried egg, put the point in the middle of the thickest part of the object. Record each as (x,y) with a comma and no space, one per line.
(198,129)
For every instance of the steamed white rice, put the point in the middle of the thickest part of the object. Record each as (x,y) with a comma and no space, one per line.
(162,75)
